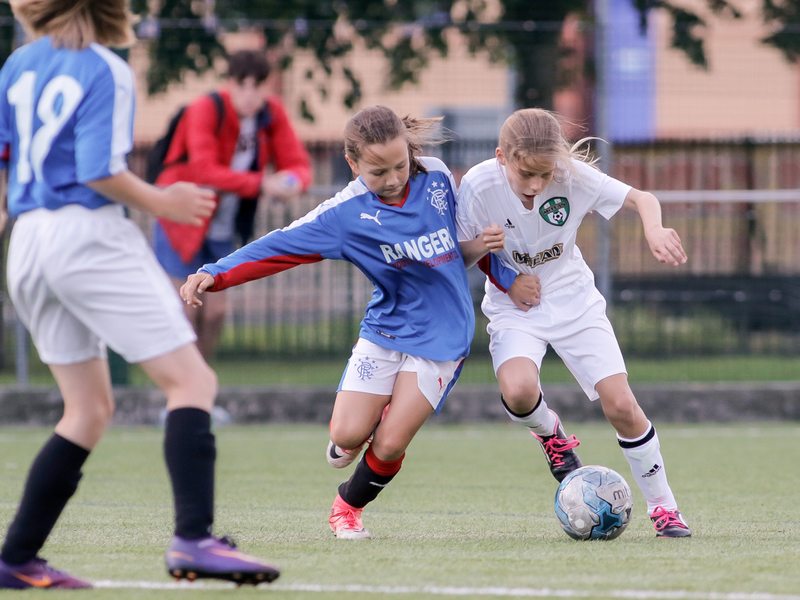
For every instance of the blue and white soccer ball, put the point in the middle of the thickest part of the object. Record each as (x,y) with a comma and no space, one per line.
(594,503)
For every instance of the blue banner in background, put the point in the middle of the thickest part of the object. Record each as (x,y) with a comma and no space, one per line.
(630,72)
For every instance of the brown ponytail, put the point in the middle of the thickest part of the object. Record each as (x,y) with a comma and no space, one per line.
(380,125)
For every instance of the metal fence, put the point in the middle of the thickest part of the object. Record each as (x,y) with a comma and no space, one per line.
(739,292)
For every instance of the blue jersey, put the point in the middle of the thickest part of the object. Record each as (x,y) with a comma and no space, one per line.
(421,304)
(66,117)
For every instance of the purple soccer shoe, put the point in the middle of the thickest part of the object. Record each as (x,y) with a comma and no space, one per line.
(36,573)
(213,558)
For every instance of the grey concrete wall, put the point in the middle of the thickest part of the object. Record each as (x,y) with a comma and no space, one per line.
(686,403)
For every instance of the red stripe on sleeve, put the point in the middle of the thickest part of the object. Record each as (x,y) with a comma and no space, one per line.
(250,271)
(485,265)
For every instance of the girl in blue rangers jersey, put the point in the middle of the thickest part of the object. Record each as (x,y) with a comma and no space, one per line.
(81,276)
(396,223)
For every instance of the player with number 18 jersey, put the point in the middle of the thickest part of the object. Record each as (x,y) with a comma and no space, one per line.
(49,90)
(82,278)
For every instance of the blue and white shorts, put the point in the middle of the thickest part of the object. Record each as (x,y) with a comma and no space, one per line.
(373,369)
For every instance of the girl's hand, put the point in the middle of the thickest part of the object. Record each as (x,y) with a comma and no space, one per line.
(281,185)
(186,203)
(525,292)
(195,285)
(493,237)
(665,244)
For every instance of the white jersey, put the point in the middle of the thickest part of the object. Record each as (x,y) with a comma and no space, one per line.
(540,241)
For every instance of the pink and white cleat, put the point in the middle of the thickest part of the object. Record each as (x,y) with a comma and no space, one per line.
(345,521)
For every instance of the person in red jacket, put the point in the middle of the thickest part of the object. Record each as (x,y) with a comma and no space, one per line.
(229,156)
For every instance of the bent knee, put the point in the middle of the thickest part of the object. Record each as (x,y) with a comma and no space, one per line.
(348,435)
(390,447)
(621,409)
(94,415)
(521,396)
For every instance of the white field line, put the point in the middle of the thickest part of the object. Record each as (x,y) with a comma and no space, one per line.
(507,592)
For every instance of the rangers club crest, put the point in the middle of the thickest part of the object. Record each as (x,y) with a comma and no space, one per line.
(438,196)
(555,211)
(365,368)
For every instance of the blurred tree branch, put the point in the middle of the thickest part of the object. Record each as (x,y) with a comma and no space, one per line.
(409,33)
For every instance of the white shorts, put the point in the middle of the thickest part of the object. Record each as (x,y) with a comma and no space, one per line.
(373,369)
(80,279)
(573,321)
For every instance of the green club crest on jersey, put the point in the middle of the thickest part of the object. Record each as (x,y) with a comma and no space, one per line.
(555,211)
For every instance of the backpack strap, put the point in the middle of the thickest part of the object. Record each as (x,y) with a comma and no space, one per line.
(264,117)
(220,106)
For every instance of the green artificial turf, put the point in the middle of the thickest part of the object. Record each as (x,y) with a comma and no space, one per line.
(477,370)
(470,514)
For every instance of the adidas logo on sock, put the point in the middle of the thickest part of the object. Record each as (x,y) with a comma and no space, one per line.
(653,471)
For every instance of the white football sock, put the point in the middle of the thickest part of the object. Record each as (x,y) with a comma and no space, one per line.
(540,420)
(647,465)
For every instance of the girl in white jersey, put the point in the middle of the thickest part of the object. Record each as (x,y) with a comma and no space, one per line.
(81,276)
(533,196)
(395,222)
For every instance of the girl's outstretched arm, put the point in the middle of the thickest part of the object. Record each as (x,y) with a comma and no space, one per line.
(665,243)
(195,285)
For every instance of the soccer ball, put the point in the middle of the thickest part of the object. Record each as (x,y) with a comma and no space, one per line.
(594,503)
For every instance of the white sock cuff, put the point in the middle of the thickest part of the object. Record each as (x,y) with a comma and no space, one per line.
(649,434)
(540,420)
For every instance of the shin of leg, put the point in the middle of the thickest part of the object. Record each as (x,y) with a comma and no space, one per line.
(88,401)
(408,410)
(620,406)
(519,384)
(185,377)
(210,323)
(355,415)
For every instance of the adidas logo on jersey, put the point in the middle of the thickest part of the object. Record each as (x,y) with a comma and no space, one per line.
(653,471)
(509,225)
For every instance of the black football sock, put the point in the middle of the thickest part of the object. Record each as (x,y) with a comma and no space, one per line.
(190,452)
(52,481)
(369,478)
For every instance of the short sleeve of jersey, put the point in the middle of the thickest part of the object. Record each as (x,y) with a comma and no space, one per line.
(104,127)
(609,194)
(466,226)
